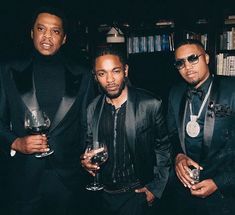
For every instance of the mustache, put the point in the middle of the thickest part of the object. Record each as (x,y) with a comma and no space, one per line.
(111,85)
(47,41)
(102,90)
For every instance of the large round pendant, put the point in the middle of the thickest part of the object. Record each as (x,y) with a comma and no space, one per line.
(193,128)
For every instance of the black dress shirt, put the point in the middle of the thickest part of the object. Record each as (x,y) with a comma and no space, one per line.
(118,171)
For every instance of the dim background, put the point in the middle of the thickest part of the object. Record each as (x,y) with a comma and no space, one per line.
(154,72)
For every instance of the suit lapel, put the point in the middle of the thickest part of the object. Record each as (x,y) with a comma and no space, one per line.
(25,86)
(182,115)
(209,119)
(73,86)
(23,79)
(130,120)
(96,117)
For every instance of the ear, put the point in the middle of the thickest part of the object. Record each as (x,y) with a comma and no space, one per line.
(31,33)
(126,70)
(64,40)
(207,58)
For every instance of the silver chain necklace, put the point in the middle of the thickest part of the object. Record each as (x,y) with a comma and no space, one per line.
(192,127)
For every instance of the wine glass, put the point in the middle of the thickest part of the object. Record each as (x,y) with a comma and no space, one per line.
(194,173)
(97,159)
(37,122)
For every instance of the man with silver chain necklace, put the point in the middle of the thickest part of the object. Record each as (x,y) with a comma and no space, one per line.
(201,124)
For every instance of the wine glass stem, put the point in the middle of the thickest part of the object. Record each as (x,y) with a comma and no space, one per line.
(96,178)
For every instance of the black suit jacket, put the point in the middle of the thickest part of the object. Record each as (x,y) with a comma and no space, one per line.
(67,132)
(146,137)
(218,150)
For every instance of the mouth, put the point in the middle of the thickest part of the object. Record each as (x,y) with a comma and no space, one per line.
(46,46)
(191,74)
(112,87)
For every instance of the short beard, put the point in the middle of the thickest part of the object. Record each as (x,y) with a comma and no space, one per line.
(114,96)
(195,83)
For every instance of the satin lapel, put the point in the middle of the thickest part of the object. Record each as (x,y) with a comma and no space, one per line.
(130,120)
(96,118)
(209,119)
(182,114)
(24,85)
(73,86)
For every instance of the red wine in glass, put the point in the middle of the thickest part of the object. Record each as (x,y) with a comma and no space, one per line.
(37,122)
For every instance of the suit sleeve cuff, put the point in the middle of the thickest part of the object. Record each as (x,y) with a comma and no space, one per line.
(12,153)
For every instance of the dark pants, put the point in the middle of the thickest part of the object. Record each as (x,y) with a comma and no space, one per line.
(188,204)
(4,188)
(53,197)
(180,201)
(176,199)
(128,203)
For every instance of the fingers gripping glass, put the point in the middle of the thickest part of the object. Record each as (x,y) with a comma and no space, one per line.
(99,158)
(192,59)
(37,122)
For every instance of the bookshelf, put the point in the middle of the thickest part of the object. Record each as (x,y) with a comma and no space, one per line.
(225,56)
(150,43)
(152,64)
(149,38)
(198,30)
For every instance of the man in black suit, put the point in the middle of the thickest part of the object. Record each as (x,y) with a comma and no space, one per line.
(52,184)
(201,123)
(131,123)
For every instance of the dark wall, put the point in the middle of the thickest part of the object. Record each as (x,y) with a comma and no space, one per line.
(151,71)
(15,16)
(154,72)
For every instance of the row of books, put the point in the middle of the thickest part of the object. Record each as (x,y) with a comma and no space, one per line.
(227,40)
(201,37)
(225,64)
(153,43)
(230,20)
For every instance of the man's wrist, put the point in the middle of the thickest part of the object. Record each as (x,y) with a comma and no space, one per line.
(13,148)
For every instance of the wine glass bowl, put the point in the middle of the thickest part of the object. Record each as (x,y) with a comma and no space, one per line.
(98,159)
(37,122)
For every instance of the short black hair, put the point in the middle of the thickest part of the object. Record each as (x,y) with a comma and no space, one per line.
(189,42)
(110,50)
(53,11)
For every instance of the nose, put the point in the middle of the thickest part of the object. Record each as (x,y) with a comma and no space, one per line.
(47,34)
(110,77)
(187,65)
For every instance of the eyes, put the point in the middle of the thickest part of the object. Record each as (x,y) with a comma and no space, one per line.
(192,59)
(53,31)
(103,73)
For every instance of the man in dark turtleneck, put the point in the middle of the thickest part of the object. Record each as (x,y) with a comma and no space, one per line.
(201,124)
(47,81)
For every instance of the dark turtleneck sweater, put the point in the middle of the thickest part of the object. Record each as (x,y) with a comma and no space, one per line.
(49,74)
